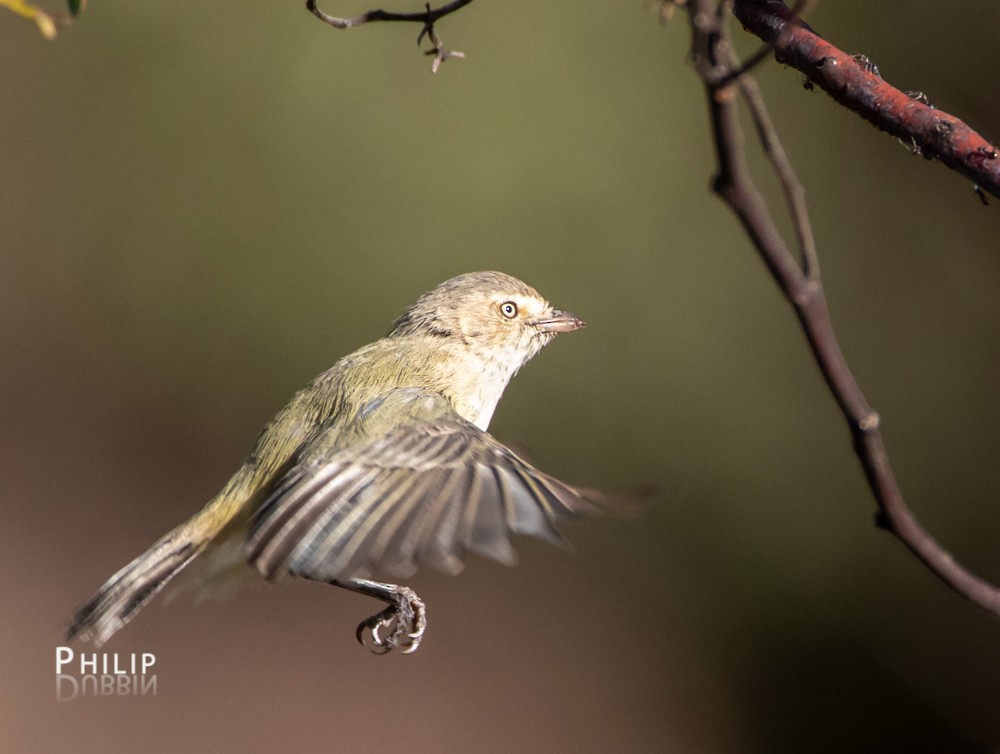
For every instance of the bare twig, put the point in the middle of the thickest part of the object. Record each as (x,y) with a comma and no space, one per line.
(802,287)
(428,17)
(795,194)
(856,86)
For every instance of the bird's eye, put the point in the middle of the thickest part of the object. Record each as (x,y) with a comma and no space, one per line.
(508,309)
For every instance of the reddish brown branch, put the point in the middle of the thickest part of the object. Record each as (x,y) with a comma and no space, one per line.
(716,64)
(933,132)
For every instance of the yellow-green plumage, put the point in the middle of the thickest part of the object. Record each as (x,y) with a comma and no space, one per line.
(382,463)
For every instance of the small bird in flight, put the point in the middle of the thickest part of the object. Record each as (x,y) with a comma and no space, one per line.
(382,464)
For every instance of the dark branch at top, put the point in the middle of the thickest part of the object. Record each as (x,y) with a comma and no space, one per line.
(428,17)
(858,87)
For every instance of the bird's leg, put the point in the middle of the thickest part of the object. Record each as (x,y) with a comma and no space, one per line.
(405,618)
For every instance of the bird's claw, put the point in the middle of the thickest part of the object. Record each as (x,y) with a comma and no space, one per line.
(405,620)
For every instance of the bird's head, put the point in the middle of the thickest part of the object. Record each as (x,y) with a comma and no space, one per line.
(491,313)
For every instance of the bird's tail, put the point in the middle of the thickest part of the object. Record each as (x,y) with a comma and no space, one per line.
(125,593)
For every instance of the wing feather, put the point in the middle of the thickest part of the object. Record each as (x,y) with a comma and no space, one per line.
(294,508)
(422,492)
(402,552)
(337,546)
(488,534)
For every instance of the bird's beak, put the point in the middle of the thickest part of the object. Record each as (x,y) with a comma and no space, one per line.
(558,321)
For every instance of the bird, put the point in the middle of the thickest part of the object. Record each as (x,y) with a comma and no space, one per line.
(380,465)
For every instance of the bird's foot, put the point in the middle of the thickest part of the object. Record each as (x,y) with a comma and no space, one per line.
(400,626)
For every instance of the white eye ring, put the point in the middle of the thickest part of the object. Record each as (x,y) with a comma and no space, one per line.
(508,309)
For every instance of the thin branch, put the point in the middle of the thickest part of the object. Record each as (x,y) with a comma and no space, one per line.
(795,194)
(714,60)
(857,86)
(428,17)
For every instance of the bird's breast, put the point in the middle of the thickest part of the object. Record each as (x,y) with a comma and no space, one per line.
(479,388)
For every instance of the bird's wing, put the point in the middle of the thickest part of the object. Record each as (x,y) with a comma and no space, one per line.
(414,494)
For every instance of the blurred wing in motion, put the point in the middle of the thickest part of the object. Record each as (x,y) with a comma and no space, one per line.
(416,494)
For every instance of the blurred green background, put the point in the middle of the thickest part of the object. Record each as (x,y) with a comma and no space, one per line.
(206,204)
